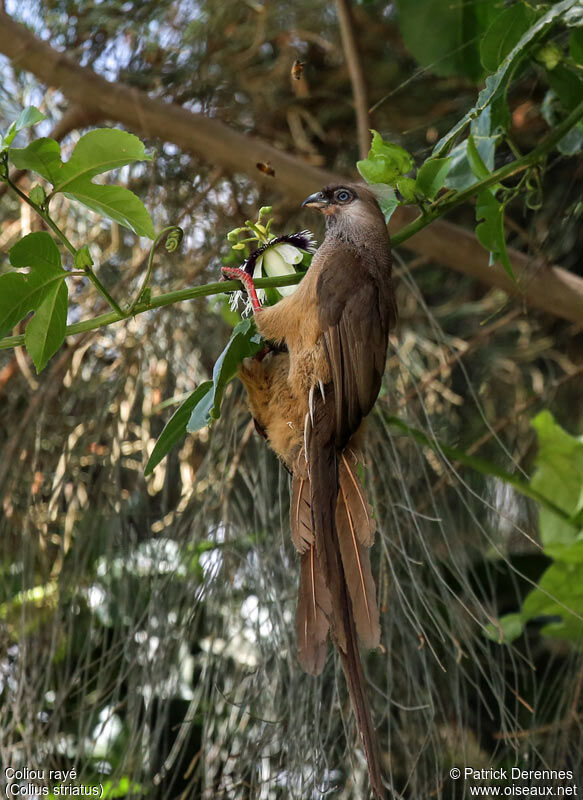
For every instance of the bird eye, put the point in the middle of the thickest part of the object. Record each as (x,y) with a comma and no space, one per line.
(343,196)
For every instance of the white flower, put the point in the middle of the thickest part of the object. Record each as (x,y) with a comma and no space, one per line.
(276,261)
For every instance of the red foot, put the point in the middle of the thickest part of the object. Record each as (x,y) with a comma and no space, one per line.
(240,275)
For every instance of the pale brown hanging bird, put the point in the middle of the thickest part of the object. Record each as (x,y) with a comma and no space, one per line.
(310,402)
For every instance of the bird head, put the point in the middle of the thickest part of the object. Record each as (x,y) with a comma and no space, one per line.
(332,199)
(346,204)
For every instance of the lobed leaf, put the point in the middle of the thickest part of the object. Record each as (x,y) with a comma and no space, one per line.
(42,290)
(100,151)
(200,415)
(386,162)
(42,156)
(45,332)
(115,202)
(96,152)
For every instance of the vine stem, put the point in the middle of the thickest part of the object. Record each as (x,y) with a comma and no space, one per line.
(224,287)
(60,235)
(536,154)
(167,299)
(146,280)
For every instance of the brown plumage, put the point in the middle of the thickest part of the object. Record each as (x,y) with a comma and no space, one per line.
(310,402)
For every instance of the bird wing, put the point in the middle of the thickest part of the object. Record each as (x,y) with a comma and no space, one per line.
(354,313)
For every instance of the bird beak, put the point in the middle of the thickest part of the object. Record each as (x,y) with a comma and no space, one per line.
(316,200)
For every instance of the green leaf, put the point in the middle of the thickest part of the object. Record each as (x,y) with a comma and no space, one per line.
(398,155)
(559,595)
(508,27)
(37,250)
(386,199)
(28,117)
(200,415)
(42,156)
(572,142)
(490,232)
(431,176)
(114,202)
(374,170)
(406,187)
(244,342)
(456,28)
(476,161)
(567,85)
(552,111)
(576,45)
(43,291)
(507,628)
(461,175)
(175,428)
(45,332)
(100,151)
(83,258)
(386,162)
(559,475)
(496,84)
(95,153)
(558,478)
(37,194)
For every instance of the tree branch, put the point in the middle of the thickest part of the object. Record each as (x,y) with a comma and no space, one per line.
(549,288)
(346,24)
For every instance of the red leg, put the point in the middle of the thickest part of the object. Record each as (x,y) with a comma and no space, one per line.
(240,275)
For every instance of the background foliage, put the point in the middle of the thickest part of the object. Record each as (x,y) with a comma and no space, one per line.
(146,623)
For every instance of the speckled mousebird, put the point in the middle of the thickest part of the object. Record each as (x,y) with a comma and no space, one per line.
(310,401)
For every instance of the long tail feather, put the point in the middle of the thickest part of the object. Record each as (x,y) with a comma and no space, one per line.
(322,460)
(314,610)
(301,514)
(358,574)
(360,510)
(355,682)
